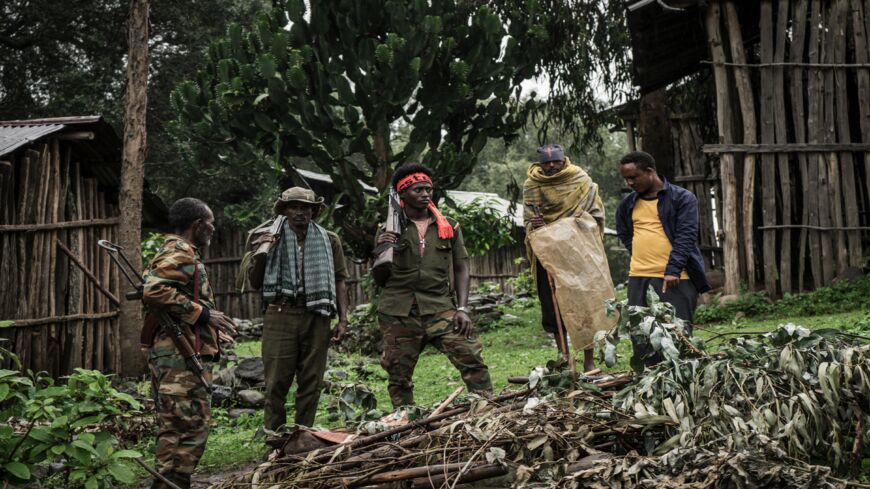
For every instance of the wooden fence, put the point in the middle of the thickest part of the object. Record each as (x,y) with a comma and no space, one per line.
(793,113)
(223,258)
(61,319)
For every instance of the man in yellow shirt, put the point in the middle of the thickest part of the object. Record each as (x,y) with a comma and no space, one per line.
(658,224)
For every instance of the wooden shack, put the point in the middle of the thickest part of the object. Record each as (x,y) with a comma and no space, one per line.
(59,182)
(791,154)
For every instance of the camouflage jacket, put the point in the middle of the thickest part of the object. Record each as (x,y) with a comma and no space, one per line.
(169,283)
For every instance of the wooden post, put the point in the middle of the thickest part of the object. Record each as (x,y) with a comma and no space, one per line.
(796,91)
(133,175)
(768,160)
(730,245)
(750,128)
(814,198)
(780,136)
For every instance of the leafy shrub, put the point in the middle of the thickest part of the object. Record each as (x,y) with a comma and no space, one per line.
(842,296)
(523,283)
(151,244)
(483,226)
(42,421)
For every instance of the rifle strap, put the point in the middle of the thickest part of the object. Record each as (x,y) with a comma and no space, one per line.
(198,345)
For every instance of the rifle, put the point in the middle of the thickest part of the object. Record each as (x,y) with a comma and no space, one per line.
(164,321)
(275,230)
(384,252)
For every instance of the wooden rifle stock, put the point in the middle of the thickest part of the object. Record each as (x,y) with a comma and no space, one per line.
(384,252)
(275,230)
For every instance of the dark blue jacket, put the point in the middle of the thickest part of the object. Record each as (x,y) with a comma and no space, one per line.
(678,211)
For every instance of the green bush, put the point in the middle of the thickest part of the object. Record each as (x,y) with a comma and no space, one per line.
(840,297)
(42,422)
(483,226)
(523,283)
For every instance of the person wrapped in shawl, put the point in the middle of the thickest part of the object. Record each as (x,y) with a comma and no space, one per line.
(555,189)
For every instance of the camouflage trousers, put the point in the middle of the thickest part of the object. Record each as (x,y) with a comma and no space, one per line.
(184,414)
(404,340)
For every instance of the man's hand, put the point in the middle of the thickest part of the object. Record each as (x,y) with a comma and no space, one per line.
(339,330)
(225,338)
(537,221)
(268,238)
(221,322)
(462,324)
(671,281)
(388,237)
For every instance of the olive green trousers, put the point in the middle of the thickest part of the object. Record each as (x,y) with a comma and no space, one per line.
(295,342)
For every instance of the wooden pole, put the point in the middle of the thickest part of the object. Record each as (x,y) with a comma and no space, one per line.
(781,137)
(814,197)
(730,245)
(768,168)
(133,175)
(796,91)
(750,128)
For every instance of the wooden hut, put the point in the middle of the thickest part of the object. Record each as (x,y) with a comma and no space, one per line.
(59,182)
(791,155)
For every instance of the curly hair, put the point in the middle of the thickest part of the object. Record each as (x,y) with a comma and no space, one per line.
(186,211)
(409,168)
(641,159)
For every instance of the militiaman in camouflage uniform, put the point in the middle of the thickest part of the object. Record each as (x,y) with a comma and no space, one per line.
(183,404)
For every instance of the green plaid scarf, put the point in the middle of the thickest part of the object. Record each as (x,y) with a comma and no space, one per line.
(318,270)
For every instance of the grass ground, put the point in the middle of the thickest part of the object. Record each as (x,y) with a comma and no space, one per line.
(508,350)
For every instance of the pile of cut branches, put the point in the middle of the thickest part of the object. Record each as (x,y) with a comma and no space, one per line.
(787,408)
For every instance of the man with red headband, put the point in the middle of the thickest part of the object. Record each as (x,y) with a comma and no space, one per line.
(417,305)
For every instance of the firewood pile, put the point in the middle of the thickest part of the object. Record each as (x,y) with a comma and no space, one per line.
(785,408)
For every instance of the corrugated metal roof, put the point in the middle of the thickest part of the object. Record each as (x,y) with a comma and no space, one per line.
(14,137)
(17,133)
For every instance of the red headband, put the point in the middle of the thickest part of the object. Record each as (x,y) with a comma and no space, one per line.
(411,180)
(445,230)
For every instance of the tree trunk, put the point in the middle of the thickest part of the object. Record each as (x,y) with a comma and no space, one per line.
(381,148)
(655,131)
(133,176)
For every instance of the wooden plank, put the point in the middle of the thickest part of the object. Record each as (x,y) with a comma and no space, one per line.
(747,113)
(731,242)
(826,135)
(796,90)
(781,137)
(768,170)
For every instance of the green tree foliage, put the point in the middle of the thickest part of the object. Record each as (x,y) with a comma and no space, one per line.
(68,59)
(335,82)
(333,86)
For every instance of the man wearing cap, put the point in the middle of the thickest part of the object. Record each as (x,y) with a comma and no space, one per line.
(303,282)
(417,305)
(556,188)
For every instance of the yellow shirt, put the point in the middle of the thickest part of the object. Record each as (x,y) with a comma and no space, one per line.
(650,247)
